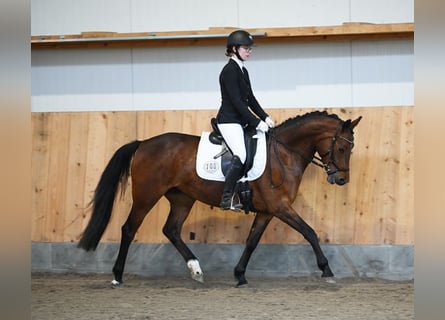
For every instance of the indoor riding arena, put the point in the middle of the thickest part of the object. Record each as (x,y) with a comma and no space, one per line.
(106,73)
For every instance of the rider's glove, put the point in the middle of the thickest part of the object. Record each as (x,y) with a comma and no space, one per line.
(270,122)
(262,126)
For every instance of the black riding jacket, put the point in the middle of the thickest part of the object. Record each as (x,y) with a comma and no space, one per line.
(237,96)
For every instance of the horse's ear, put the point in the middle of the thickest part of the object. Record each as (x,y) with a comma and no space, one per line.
(350,125)
(355,122)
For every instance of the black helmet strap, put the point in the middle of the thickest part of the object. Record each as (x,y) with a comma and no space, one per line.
(237,53)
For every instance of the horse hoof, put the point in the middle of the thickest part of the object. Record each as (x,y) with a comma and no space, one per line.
(330,280)
(327,273)
(198,277)
(195,270)
(115,284)
(242,285)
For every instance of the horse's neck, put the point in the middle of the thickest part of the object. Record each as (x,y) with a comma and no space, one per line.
(302,137)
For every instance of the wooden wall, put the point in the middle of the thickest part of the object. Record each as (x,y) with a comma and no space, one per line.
(71,149)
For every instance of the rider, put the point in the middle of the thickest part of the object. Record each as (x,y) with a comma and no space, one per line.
(234,114)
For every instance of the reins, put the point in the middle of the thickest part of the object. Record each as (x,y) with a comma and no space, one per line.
(318,161)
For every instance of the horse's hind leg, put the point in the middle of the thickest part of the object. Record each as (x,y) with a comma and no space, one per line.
(180,206)
(134,221)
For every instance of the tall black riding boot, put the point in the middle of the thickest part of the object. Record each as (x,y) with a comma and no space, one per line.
(233,174)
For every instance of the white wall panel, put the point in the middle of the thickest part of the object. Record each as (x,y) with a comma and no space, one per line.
(177,77)
(374,73)
(65,80)
(383,73)
(174,15)
(361,73)
(292,13)
(382,11)
(308,74)
(74,17)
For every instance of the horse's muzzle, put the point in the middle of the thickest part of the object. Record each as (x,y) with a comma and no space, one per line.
(337,176)
(337,179)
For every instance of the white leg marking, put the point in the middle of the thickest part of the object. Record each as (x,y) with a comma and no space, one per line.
(195,270)
(330,280)
(115,283)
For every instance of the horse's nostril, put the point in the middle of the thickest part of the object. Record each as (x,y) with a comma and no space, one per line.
(341,181)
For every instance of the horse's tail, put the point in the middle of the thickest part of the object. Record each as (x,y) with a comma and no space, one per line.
(117,171)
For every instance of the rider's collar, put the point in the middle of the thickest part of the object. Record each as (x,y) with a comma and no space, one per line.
(238,61)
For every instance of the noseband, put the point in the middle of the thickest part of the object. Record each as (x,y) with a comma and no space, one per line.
(318,161)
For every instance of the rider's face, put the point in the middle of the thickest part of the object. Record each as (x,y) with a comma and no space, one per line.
(244,52)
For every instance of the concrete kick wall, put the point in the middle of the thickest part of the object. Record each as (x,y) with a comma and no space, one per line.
(268,260)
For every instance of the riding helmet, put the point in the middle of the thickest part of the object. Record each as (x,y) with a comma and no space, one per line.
(239,38)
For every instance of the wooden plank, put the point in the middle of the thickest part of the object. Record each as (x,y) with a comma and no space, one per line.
(405,200)
(386,222)
(75,205)
(95,157)
(58,134)
(216,36)
(39,169)
(365,176)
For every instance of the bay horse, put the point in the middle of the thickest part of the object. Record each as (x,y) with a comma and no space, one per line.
(164,165)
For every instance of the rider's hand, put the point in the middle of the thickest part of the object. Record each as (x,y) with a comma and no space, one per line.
(270,122)
(262,126)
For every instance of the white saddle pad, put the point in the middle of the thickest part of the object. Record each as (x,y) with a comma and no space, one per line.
(209,168)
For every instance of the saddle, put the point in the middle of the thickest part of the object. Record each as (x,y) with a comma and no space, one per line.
(226,155)
(242,189)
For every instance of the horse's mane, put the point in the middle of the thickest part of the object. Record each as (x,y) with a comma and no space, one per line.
(307,116)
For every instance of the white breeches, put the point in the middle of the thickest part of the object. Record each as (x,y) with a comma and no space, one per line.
(233,134)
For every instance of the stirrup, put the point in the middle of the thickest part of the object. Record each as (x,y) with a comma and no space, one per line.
(234,206)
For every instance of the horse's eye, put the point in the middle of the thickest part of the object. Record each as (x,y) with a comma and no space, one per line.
(341,150)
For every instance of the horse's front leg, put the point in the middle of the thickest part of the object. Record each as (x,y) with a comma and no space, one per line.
(291,218)
(256,231)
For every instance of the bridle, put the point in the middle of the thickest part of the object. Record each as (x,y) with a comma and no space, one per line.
(330,153)
(318,161)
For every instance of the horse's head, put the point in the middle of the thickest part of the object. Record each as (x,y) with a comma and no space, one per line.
(335,151)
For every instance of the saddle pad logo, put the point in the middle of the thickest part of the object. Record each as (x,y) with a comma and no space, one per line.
(211,166)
